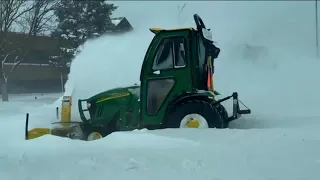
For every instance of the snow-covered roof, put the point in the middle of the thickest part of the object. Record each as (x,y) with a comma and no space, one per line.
(116,20)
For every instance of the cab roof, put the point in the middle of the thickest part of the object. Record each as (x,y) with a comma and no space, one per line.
(157,30)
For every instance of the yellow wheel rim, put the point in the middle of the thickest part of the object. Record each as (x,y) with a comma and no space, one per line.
(194,120)
(94,136)
(193,124)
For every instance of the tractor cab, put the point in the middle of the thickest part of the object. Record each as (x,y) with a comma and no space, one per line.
(178,62)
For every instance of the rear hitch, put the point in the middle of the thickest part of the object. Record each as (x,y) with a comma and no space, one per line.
(236,108)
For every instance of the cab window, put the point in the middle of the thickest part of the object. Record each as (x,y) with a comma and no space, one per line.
(201,51)
(171,53)
(202,56)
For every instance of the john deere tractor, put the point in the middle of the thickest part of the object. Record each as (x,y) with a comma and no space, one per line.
(176,89)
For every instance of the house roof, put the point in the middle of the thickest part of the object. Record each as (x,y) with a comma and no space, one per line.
(117,20)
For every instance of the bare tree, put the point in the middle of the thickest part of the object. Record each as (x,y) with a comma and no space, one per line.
(40,19)
(10,11)
(31,18)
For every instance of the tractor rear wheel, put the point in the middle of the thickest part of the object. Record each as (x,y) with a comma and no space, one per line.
(195,114)
(223,113)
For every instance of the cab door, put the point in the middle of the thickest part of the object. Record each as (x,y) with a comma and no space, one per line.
(165,74)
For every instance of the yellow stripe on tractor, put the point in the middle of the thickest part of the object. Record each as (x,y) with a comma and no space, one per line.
(113,97)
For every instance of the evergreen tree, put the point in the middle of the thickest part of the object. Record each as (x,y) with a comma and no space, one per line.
(98,13)
(79,20)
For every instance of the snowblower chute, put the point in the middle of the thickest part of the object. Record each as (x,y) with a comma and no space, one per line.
(176,89)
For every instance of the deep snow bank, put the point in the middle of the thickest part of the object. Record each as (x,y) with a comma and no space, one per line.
(207,154)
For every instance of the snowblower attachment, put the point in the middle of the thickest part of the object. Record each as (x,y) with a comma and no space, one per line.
(34,133)
(63,128)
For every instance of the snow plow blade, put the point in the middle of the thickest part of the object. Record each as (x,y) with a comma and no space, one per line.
(34,133)
(37,132)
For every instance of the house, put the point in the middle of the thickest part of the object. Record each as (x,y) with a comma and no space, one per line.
(34,74)
(121,24)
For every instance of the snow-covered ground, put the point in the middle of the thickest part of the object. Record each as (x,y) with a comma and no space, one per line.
(278,141)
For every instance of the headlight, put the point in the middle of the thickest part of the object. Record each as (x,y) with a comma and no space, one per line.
(88,105)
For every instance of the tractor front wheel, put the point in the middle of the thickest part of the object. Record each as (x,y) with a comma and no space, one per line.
(94,136)
(195,114)
(91,133)
(94,133)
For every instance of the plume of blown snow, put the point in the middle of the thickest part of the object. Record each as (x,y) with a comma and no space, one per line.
(107,62)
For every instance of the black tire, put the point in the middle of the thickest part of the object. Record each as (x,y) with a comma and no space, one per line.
(224,114)
(103,131)
(88,132)
(87,129)
(202,108)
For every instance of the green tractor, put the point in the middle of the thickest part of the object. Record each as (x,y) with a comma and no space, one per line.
(176,90)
